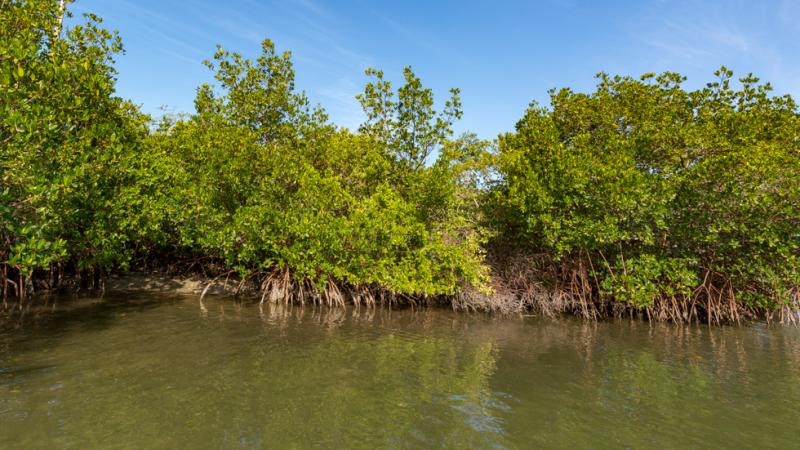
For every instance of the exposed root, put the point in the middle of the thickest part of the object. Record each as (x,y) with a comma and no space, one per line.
(280,286)
(521,284)
(536,284)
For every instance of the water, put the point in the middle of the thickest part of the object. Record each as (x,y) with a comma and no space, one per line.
(145,371)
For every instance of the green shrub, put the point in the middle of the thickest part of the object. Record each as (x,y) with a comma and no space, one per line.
(68,146)
(267,184)
(667,192)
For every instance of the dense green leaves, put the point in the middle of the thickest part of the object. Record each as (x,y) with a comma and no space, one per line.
(666,190)
(640,192)
(268,184)
(67,144)
(256,179)
(408,124)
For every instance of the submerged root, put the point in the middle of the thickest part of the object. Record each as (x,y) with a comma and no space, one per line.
(280,286)
(535,284)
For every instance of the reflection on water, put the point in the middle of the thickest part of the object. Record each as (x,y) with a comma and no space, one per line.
(155,371)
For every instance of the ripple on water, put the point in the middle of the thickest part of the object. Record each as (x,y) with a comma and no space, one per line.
(144,370)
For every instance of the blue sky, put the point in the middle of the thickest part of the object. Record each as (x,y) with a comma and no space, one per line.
(501,54)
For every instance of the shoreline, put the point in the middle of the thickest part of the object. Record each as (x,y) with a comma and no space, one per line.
(500,303)
(144,282)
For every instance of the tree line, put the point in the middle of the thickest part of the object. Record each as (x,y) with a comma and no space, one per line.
(640,198)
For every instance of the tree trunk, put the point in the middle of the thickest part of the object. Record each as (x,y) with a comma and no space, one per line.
(61,11)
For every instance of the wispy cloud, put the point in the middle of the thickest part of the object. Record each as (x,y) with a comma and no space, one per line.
(746,36)
(314,7)
(341,101)
(697,40)
(427,40)
(305,26)
(317,38)
(730,37)
(161,29)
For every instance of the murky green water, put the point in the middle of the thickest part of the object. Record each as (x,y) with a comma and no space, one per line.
(142,371)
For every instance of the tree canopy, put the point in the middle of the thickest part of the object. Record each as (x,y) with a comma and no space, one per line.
(667,193)
(639,197)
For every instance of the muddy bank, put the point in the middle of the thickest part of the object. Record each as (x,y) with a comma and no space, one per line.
(520,286)
(131,282)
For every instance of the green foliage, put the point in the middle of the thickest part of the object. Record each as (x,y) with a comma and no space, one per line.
(653,191)
(409,125)
(267,184)
(67,145)
(256,178)
(664,189)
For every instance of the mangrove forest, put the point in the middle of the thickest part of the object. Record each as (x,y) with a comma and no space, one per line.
(641,198)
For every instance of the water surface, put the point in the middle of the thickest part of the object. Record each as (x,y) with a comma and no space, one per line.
(145,370)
